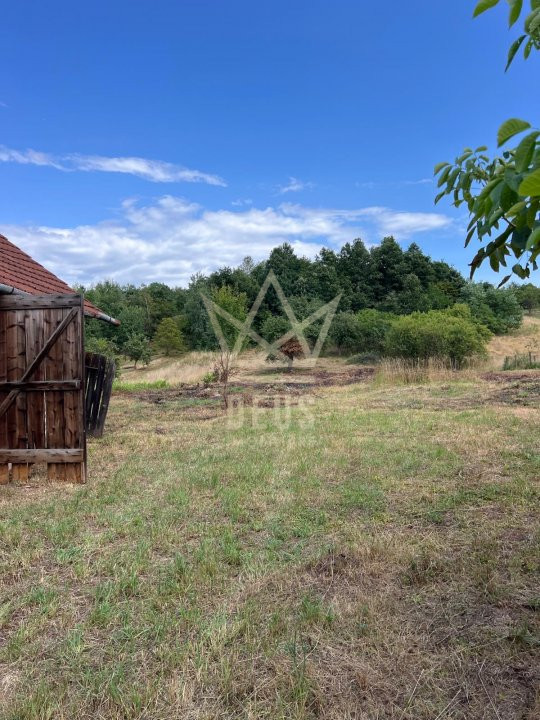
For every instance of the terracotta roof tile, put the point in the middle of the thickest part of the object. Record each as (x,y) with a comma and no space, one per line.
(19,270)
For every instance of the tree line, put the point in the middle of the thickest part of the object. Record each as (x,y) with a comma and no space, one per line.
(377,285)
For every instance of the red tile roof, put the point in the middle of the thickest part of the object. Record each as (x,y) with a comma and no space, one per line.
(19,270)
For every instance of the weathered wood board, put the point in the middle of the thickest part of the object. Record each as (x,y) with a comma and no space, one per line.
(42,381)
(100,373)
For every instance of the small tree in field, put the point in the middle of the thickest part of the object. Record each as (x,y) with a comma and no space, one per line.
(168,338)
(137,348)
(291,349)
(528,296)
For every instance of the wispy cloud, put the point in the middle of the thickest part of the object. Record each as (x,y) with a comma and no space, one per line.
(294,185)
(423,181)
(371,184)
(172,238)
(29,157)
(242,202)
(153,170)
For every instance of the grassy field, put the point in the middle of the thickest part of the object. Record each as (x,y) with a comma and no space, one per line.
(338,546)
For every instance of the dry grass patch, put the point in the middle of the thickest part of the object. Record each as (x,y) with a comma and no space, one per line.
(374,554)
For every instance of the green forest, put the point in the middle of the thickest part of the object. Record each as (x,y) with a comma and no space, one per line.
(394,302)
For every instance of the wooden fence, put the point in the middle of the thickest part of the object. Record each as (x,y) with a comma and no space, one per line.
(42,381)
(100,372)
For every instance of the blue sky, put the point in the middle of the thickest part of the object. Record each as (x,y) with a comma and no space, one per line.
(148,140)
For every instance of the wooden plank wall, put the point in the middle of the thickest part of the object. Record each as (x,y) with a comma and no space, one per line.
(46,421)
(100,373)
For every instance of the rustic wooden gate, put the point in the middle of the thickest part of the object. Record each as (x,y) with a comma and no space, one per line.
(100,372)
(42,386)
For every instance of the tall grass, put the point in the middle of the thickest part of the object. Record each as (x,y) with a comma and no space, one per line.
(524,361)
(399,371)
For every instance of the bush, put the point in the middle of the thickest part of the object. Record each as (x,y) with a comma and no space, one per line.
(498,309)
(373,327)
(444,334)
(345,332)
(361,332)
(102,346)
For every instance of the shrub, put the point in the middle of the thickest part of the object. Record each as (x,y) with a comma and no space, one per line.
(345,332)
(373,327)
(436,334)
(102,346)
(361,332)
(498,309)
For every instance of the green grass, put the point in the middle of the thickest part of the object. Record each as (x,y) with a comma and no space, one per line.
(138,386)
(354,557)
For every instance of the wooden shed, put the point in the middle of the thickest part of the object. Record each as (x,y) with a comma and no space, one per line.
(42,370)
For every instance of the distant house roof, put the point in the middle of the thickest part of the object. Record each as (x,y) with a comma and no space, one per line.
(21,272)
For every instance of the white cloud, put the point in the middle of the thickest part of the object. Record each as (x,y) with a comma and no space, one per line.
(172,238)
(29,157)
(423,181)
(240,202)
(404,224)
(153,170)
(371,185)
(294,185)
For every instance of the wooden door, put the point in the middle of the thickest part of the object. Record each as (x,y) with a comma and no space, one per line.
(42,416)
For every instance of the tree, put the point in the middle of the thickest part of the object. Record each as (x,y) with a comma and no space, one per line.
(354,271)
(502,193)
(292,350)
(168,338)
(388,268)
(235,303)
(412,297)
(528,296)
(137,348)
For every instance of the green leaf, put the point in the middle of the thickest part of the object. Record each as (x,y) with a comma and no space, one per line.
(445,174)
(516,7)
(512,179)
(531,184)
(484,5)
(516,209)
(532,212)
(514,47)
(532,22)
(528,47)
(534,239)
(510,128)
(525,151)
(467,154)
(440,196)
(439,167)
